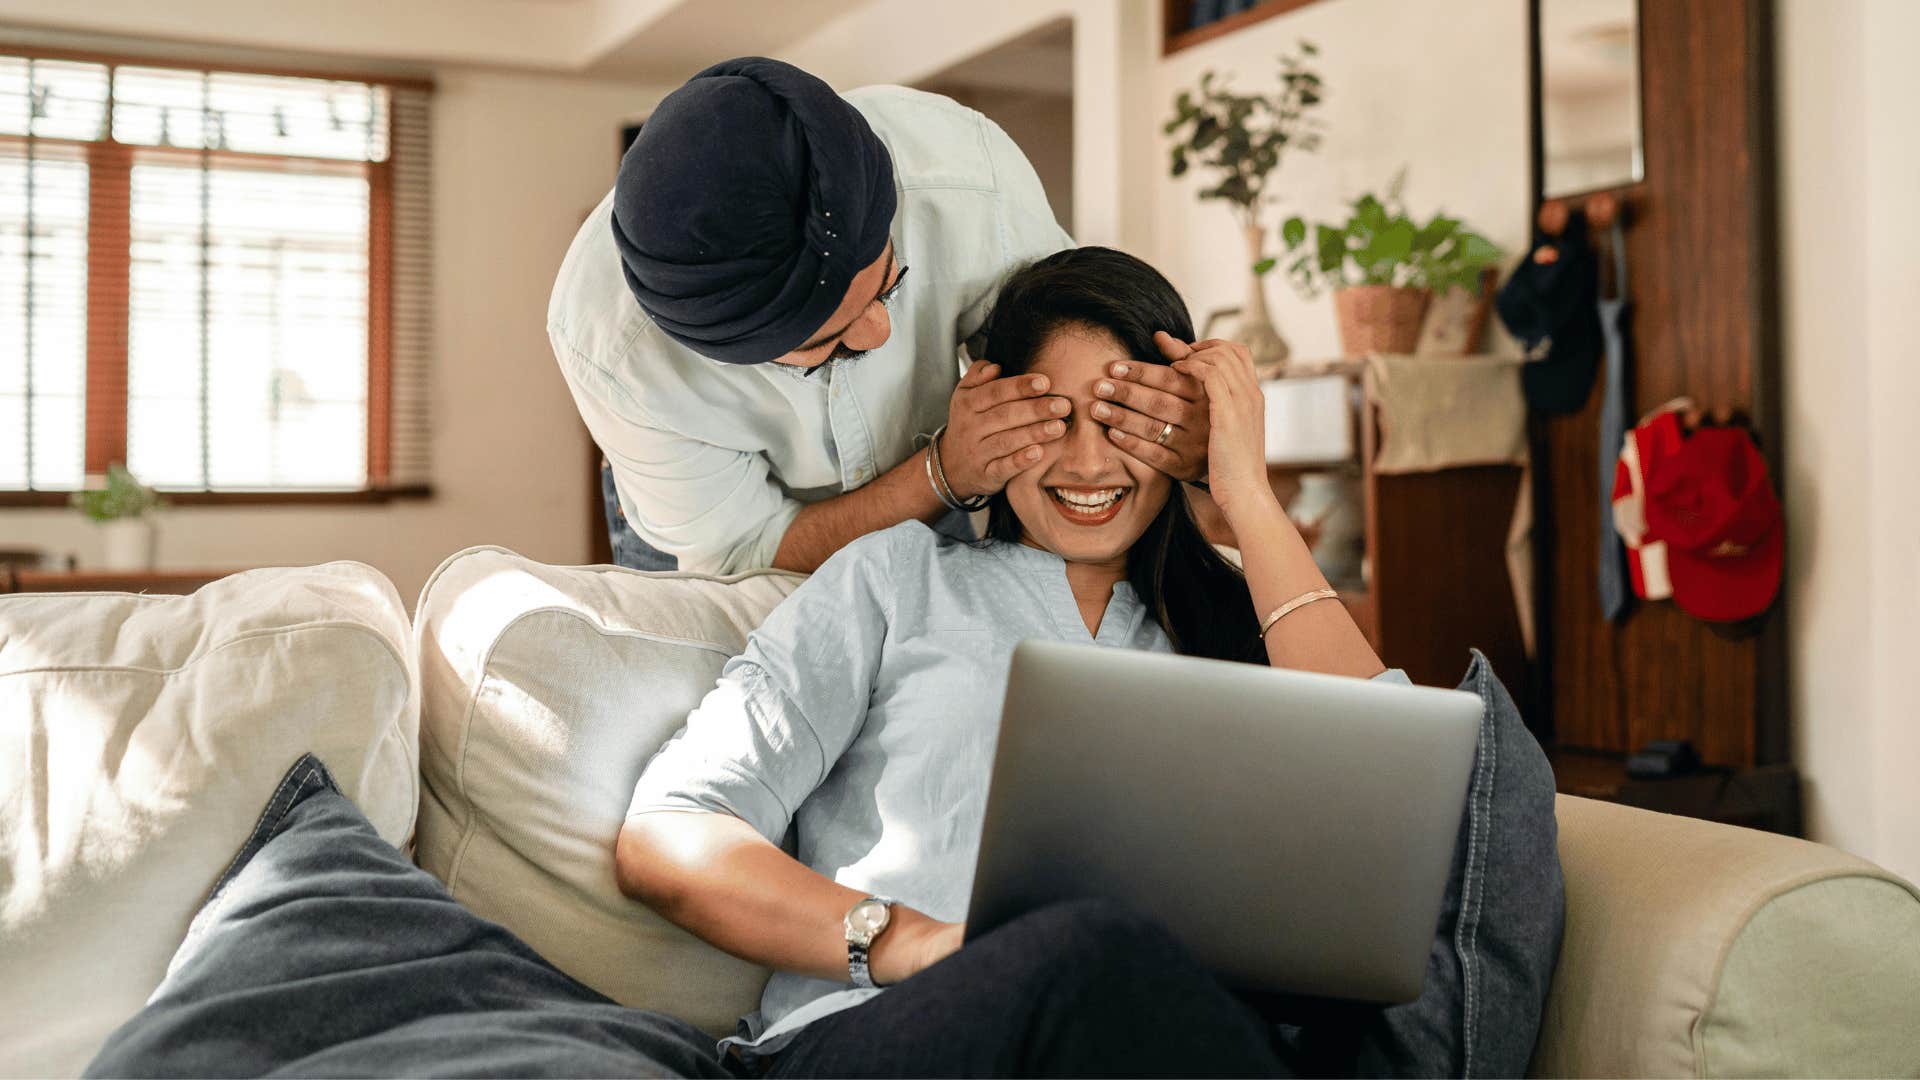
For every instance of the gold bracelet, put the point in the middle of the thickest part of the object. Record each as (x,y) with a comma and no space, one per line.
(1294,605)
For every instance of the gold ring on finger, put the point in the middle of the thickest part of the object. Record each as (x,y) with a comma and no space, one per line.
(1165,432)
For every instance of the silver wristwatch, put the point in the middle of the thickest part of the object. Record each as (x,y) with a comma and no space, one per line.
(866,921)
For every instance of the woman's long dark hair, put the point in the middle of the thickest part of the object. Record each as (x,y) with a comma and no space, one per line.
(1199,598)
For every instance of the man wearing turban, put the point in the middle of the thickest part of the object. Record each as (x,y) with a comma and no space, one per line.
(739,330)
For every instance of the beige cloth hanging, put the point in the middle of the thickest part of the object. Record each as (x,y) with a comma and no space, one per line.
(1443,413)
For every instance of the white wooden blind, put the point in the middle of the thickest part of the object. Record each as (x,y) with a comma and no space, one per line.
(260,317)
(43,267)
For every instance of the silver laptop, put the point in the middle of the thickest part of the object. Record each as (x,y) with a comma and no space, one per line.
(1294,830)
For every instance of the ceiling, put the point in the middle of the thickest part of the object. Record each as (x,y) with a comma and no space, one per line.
(661,41)
(1037,63)
(690,36)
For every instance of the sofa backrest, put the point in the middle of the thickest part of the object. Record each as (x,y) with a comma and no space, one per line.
(545,691)
(140,738)
(1697,949)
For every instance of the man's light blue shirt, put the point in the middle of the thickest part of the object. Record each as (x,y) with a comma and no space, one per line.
(713,461)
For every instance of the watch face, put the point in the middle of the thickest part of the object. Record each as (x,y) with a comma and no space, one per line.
(867,918)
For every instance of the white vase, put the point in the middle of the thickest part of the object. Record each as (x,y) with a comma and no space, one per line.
(128,544)
(1256,329)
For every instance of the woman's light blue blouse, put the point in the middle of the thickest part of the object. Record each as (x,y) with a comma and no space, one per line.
(864,713)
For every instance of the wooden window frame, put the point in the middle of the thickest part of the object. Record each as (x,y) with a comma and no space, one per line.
(109,265)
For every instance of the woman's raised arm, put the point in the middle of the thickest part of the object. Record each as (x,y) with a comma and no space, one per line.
(1317,635)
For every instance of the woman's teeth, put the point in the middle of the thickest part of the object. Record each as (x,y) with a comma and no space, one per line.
(1088,502)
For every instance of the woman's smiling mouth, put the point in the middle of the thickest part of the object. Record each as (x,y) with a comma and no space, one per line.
(1088,506)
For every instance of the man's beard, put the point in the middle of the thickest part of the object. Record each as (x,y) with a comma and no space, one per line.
(841,353)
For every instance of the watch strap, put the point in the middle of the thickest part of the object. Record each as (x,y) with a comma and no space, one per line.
(858,955)
(857,968)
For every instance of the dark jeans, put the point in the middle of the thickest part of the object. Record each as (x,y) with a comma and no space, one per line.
(628,549)
(1085,988)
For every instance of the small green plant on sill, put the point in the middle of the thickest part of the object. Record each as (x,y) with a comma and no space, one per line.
(124,498)
(1379,244)
(1242,137)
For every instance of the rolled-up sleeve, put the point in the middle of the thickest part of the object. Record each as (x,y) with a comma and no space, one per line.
(787,707)
(716,510)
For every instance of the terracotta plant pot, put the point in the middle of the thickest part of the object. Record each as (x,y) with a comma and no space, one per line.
(1380,318)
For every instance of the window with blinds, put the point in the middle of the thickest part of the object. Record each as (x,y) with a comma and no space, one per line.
(218,278)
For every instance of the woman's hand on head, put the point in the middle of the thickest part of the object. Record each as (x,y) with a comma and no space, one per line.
(1141,400)
(1236,430)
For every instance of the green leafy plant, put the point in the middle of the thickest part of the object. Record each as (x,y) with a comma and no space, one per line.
(1242,137)
(1379,244)
(123,497)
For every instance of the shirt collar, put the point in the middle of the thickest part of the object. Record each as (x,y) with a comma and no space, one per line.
(1124,612)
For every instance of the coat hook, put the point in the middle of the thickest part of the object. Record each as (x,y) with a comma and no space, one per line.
(1602,209)
(1552,220)
(1553,217)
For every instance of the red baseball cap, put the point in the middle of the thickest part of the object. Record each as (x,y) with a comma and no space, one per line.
(1709,499)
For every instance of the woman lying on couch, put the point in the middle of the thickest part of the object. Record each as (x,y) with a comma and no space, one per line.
(863,715)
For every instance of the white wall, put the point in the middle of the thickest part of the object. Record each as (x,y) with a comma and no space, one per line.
(1041,125)
(1893,342)
(907,41)
(518,161)
(1439,88)
(1849,166)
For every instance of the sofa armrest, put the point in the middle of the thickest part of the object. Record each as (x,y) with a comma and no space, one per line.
(1697,949)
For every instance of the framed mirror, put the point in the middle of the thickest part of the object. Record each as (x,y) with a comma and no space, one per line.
(1590,124)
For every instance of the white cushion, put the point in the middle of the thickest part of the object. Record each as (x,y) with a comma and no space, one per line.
(140,737)
(545,690)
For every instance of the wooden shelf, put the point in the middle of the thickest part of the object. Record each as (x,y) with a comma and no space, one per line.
(163,582)
(24,499)
(1767,797)
(1177,14)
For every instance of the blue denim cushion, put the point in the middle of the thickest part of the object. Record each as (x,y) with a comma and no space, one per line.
(323,951)
(1499,935)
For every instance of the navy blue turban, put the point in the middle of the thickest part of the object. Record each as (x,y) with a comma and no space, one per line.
(751,198)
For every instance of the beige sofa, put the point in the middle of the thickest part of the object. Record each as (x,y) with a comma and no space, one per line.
(518,705)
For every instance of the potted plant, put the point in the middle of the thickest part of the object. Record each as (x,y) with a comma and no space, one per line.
(120,508)
(1242,138)
(1384,268)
